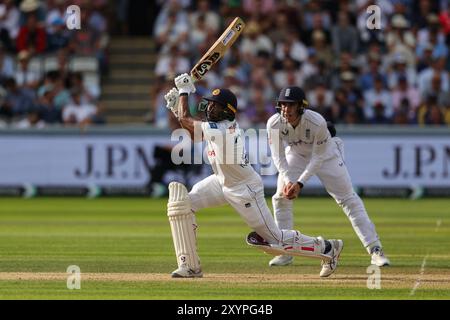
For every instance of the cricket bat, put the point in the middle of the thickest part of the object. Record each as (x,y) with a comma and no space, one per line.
(218,49)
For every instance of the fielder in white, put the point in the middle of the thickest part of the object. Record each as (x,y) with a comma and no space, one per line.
(234,182)
(302,147)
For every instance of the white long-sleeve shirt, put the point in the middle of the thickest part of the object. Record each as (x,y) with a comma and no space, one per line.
(227,155)
(310,138)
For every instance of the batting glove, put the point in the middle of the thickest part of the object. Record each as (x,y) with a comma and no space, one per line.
(171,98)
(185,84)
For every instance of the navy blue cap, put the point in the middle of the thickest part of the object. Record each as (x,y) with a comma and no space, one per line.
(292,94)
(225,97)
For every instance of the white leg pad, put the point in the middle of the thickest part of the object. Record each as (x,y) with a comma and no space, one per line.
(183,226)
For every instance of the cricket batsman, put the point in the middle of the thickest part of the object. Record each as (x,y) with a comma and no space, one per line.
(302,147)
(234,182)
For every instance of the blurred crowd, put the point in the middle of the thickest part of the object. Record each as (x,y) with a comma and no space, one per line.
(45,66)
(351,74)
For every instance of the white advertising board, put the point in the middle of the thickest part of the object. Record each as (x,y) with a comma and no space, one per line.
(121,160)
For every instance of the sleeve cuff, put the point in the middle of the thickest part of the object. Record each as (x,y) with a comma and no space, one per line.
(288,179)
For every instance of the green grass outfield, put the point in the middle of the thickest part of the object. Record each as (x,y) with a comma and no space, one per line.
(125,251)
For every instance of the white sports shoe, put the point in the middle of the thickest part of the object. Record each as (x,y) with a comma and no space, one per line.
(378,257)
(328,267)
(281,261)
(184,272)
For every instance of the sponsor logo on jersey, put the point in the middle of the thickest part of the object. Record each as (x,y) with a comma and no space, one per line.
(213,125)
(322,142)
(298,142)
(308,133)
(284,132)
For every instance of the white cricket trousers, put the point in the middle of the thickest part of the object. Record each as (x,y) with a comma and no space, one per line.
(247,199)
(335,178)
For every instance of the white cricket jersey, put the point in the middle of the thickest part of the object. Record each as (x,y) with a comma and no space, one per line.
(310,139)
(226,153)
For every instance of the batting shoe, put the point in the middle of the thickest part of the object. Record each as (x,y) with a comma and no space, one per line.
(329,266)
(184,272)
(378,257)
(281,260)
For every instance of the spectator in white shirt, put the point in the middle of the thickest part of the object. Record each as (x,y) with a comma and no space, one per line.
(432,30)
(254,40)
(289,74)
(6,65)
(77,112)
(25,77)
(58,12)
(401,40)
(212,19)
(32,120)
(375,97)
(405,91)
(400,67)
(171,23)
(291,47)
(9,24)
(172,63)
(442,96)
(199,32)
(426,76)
